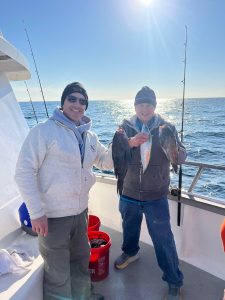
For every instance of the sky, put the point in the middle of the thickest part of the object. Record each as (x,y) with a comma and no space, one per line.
(114,47)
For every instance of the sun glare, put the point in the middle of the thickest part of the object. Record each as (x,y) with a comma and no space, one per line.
(146,2)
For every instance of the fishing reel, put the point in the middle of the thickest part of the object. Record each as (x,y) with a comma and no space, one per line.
(175,191)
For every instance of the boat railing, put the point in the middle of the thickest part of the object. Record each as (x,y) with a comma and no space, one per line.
(199,200)
(188,196)
(200,168)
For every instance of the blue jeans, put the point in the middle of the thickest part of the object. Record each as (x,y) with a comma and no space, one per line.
(158,222)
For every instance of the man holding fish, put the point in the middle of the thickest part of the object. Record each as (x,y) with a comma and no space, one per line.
(143,148)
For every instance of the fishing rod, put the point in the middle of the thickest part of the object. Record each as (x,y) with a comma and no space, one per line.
(31,102)
(182,132)
(36,69)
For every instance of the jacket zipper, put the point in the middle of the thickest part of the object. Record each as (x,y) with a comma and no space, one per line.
(140,177)
(82,158)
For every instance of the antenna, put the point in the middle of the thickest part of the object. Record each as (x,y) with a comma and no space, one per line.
(182,131)
(36,70)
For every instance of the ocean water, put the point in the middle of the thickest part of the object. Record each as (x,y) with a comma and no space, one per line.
(204,132)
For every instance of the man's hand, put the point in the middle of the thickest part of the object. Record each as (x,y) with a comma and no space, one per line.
(138,139)
(40,225)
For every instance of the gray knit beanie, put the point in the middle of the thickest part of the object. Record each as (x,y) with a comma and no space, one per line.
(145,95)
(74,87)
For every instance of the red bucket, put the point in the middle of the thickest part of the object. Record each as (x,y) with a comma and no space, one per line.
(93,223)
(99,259)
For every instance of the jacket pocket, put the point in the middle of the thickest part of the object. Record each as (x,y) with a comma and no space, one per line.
(155,178)
(88,179)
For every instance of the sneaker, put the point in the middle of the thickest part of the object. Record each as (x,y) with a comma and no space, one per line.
(95,296)
(124,260)
(174,293)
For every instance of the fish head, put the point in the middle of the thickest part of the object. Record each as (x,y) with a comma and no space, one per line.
(120,140)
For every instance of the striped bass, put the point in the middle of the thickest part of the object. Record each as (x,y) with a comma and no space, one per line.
(145,148)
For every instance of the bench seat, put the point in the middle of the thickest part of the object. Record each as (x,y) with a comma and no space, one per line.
(23,286)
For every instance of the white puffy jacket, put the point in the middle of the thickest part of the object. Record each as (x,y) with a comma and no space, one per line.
(50,175)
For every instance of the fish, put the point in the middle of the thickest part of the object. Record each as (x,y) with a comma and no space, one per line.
(145,148)
(168,143)
(97,243)
(121,157)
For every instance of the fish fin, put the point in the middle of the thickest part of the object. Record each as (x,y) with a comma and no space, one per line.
(121,157)
(175,168)
(119,187)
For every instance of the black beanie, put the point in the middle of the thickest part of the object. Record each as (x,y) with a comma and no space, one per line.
(74,87)
(145,95)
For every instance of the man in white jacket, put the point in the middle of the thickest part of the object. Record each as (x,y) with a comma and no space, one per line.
(54,175)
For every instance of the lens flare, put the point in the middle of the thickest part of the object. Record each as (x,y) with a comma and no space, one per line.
(146,2)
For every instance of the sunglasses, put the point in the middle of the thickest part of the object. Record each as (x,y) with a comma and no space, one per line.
(73,99)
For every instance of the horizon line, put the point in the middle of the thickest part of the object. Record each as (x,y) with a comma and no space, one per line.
(159,99)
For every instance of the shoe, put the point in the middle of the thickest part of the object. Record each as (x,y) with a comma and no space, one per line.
(174,293)
(124,260)
(95,296)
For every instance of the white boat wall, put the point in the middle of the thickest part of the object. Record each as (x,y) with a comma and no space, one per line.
(198,238)
(13,130)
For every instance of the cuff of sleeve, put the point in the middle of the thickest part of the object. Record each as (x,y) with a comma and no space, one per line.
(36,215)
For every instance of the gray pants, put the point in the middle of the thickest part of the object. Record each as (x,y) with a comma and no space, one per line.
(66,254)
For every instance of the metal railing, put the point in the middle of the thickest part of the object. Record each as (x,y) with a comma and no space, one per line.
(201,168)
(190,195)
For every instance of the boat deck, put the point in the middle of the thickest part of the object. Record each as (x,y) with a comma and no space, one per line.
(141,280)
